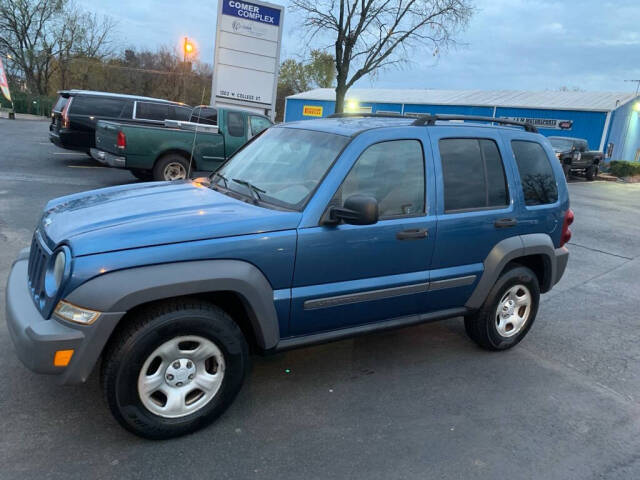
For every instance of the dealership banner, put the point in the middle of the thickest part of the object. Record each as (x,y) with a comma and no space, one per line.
(547,123)
(4,84)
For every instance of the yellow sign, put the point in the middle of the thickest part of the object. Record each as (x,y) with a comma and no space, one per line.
(311,111)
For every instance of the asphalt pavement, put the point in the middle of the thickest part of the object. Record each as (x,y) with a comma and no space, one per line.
(421,402)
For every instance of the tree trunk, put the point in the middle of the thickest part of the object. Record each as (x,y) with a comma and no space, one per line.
(341,92)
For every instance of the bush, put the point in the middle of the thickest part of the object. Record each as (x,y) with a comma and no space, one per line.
(624,169)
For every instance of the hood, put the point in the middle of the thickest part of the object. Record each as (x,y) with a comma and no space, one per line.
(157,213)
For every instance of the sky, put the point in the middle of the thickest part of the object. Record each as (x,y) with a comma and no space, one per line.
(593,45)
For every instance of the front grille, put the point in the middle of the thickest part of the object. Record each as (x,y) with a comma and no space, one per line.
(38,260)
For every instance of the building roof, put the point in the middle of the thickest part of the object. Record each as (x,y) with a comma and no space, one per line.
(548,100)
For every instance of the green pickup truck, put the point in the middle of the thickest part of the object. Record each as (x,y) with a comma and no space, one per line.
(164,152)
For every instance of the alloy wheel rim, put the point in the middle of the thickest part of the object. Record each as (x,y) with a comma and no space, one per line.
(514,310)
(181,376)
(175,171)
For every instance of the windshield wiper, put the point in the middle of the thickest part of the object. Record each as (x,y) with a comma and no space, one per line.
(219,175)
(255,191)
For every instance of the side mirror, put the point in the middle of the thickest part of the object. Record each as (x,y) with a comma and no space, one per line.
(357,210)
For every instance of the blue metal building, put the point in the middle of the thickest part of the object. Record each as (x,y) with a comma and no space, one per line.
(610,121)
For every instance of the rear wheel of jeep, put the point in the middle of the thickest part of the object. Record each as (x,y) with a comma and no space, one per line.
(508,312)
(174,369)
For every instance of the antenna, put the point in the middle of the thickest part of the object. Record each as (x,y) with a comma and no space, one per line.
(637,87)
(195,134)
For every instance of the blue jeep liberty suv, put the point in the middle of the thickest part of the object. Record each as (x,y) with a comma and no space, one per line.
(314,231)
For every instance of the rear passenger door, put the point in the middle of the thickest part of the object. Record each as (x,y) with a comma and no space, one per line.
(476,209)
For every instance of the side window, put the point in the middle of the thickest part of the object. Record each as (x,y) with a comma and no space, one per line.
(258,124)
(206,116)
(152,111)
(235,124)
(97,106)
(391,172)
(536,175)
(127,111)
(473,174)
(60,103)
(179,113)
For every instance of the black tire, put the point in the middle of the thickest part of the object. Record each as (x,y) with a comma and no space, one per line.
(591,172)
(144,175)
(141,336)
(160,167)
(482,325)
(567,171)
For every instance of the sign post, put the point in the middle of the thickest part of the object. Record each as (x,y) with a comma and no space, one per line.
(247,55)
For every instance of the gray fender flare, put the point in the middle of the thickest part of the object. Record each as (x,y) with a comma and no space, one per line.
(507,250)
(123,290)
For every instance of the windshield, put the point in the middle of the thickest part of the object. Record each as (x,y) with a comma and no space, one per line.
(561,144)
(283,166)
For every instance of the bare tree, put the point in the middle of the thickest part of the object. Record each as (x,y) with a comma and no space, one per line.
(372,34)
(44,35)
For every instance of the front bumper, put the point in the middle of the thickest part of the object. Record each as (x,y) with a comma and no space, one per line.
(107,158)
(36,339)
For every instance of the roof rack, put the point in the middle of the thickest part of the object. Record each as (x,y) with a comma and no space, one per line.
(355,114)
(431,120)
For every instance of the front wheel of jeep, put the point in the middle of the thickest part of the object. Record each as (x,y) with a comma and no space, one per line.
(174,368)
(508,311)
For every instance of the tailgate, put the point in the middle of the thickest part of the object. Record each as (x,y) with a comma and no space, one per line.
(107,136)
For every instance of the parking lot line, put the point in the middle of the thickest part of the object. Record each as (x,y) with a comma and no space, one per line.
(85,166)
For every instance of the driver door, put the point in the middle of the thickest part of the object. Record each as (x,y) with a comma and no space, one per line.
(347,275)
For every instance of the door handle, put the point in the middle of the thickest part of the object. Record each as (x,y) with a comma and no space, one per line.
(505,223)
(412,234)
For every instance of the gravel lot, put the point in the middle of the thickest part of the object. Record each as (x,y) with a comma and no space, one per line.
(422,402)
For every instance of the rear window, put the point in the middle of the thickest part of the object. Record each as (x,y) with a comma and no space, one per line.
(97,106)
(473,174)
(536,175)
(60,103)
(235,124)
(179,113)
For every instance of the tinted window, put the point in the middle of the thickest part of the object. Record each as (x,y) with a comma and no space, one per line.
(127,111)
(235,124)
(153,111)
(392,173)
(60,103)
(536,175)
(473,174)
(179,113)
(97,106)
(207,116)
(258,124)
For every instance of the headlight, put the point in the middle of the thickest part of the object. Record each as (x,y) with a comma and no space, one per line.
(73,313)
(56,271)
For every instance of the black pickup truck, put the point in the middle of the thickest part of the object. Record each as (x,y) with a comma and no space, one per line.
(574,154)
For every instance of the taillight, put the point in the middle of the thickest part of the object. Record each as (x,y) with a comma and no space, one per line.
(121,142)
(566,231)
(65,114)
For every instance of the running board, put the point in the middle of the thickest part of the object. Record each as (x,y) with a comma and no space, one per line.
(399,322)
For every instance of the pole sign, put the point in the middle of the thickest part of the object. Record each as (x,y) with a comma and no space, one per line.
(4,84)
(247,55)
(547,123)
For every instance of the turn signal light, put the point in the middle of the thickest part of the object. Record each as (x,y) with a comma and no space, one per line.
(62,358)
(566,231)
